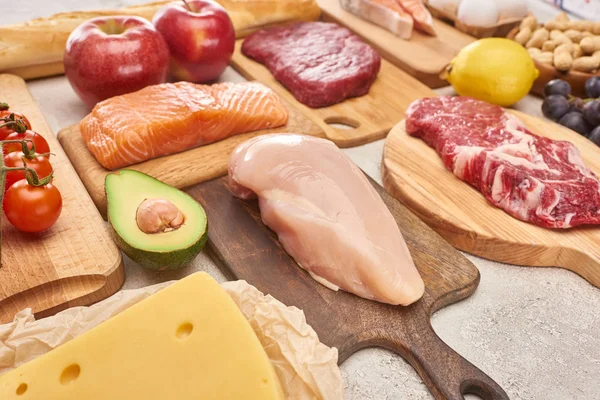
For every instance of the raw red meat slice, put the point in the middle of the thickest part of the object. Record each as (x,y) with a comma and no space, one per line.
(533,178)
(320,63)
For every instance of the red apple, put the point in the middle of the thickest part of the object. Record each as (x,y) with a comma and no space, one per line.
(109,56)
(200,36)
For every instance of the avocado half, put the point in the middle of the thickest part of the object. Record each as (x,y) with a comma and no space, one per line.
(125,191)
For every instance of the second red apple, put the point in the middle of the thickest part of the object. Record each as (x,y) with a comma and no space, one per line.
(200,37)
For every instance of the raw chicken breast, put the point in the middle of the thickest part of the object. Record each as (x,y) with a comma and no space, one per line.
(327,216)
(386,13)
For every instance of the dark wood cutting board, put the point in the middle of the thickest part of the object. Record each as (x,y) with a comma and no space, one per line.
(246,249)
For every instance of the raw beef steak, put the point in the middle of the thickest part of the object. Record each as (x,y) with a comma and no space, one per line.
(320,63)
(533,178)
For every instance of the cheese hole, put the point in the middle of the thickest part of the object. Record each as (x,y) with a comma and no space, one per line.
(70,374)
(342,122)
(184,330)
(21,389)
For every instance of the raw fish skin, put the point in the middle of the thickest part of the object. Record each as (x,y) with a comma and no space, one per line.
(327,215)
(169,118)
(386,13)
(421,15)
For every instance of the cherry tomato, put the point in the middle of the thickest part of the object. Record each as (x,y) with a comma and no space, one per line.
(41,145)
(40,164)
(30,208)
(7,130)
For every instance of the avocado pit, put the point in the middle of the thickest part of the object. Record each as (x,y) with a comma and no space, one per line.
(158,216)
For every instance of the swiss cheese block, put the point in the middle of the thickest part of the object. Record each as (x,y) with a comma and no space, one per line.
(188,341)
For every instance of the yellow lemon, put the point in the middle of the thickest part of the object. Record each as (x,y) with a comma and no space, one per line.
(496,70)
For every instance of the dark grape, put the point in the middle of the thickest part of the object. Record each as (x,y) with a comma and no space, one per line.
(592,87)
(555,106)
(595,136)
(574,120)
(558,87)
(591,113)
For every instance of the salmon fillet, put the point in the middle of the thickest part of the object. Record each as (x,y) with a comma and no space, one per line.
(169,118)
(386,13)
(420,13)
(327,216)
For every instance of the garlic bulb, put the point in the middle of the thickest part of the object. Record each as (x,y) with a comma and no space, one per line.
(478,12)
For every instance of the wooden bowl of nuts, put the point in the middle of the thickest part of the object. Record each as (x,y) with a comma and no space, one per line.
(561,49)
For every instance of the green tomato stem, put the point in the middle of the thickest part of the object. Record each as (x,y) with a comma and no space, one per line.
(3,170)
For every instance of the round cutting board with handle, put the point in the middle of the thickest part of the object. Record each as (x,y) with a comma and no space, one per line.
(246,249)
(414,173)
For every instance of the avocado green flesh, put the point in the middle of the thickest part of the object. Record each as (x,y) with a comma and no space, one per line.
(125,191)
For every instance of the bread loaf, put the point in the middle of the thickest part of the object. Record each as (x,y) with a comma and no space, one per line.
(35,49)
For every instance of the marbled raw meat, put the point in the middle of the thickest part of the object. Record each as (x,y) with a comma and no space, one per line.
(532,178)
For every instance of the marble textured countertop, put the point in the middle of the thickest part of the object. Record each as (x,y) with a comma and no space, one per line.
(536,331)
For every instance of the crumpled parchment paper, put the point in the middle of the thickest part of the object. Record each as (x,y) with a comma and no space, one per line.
(307,369)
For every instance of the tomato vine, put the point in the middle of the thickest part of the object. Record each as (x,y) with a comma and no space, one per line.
(30,174)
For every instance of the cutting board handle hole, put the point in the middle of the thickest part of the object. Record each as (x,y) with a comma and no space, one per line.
(342,122)
(184,330)
(478,390)
(70,374)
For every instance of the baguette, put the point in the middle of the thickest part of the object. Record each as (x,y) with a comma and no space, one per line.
(34,49)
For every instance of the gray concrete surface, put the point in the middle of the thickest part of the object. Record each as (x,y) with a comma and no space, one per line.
(536,331)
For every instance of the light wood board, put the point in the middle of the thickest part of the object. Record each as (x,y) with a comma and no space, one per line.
(372,115)
(415,174)
(246,249)
(179,170)
(423,56)
(75,262)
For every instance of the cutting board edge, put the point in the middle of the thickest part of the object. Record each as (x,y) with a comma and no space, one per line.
(103,285)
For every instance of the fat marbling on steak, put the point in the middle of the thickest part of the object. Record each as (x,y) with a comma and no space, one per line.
(533,178)
(320,63)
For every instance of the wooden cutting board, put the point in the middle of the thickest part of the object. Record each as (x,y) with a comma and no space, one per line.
(247,249)
(371,116)
(414,173)
(179,170)
(423,56)
(75,262)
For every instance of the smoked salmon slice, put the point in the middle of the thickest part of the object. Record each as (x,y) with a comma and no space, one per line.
(420,13)
(386,13)
(172,117)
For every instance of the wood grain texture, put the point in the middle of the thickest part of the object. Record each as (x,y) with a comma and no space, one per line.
(246,249)
(75,262)
(423,56)
(415,174)
(372,115)
(179,170)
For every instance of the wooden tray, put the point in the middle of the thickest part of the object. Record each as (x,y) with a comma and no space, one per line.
(371,115)
(247,249)
(179,170)
(76,261)
(423,56)
(414,173)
